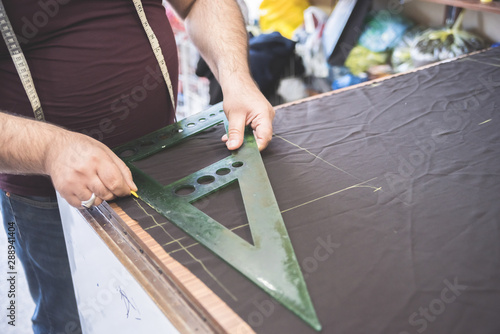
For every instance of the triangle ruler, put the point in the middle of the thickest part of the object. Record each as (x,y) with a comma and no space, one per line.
(270,262)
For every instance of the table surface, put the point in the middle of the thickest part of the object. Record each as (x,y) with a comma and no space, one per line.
(390,193)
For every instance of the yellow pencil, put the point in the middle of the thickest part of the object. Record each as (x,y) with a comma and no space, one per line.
(134,193)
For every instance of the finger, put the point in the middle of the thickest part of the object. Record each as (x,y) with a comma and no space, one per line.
(263,133)
(126,173)
(73,191)
(112,178)
(73,200)
(235,130)
(100,190)
(82,196)
(225,138)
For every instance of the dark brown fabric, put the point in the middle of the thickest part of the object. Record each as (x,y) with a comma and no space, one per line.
(390,194)
(93,68)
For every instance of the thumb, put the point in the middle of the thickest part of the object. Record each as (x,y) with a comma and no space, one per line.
(235,131)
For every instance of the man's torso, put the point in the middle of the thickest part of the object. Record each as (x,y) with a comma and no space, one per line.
(93,69)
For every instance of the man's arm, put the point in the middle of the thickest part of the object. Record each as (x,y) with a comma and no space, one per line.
(218,31)
(77,164)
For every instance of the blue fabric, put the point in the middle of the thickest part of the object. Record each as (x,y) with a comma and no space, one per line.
(269,53)
(40,246)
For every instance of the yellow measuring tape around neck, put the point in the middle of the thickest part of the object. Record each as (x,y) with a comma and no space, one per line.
(24,72)
(155,45)
(20,62)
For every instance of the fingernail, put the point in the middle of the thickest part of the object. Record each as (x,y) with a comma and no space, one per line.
(232,143)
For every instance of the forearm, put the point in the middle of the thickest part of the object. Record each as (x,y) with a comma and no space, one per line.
(24,144)
(218,31)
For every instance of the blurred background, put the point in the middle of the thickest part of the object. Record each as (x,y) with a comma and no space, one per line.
(300,48)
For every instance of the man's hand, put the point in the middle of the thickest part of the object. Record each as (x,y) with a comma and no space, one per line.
(80,165)
(245,105)
(223,43)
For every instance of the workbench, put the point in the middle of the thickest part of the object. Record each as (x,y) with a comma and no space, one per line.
(390,192)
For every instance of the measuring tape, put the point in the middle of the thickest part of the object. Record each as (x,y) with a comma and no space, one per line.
(155,45)
(24,72)
(20,62)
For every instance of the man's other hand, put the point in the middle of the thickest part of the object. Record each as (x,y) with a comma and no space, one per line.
(245,105)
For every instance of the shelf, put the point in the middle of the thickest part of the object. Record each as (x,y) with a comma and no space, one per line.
(493,6)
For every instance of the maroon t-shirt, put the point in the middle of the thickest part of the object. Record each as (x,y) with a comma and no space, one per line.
(94,71)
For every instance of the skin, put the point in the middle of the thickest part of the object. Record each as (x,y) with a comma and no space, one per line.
(79,165)
(226,52)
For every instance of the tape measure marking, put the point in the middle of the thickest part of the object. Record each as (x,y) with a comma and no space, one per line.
(155,45)
(25,74)
(20,63)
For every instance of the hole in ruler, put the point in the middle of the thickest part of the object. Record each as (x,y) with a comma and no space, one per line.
(164,136)
(180,130)
(147,143)
(221,110)
(214,205)
(212,115)
(185,190)
(202,120)
(223,171)
(127,153)
(206,179)
(190,125)
(237,164)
